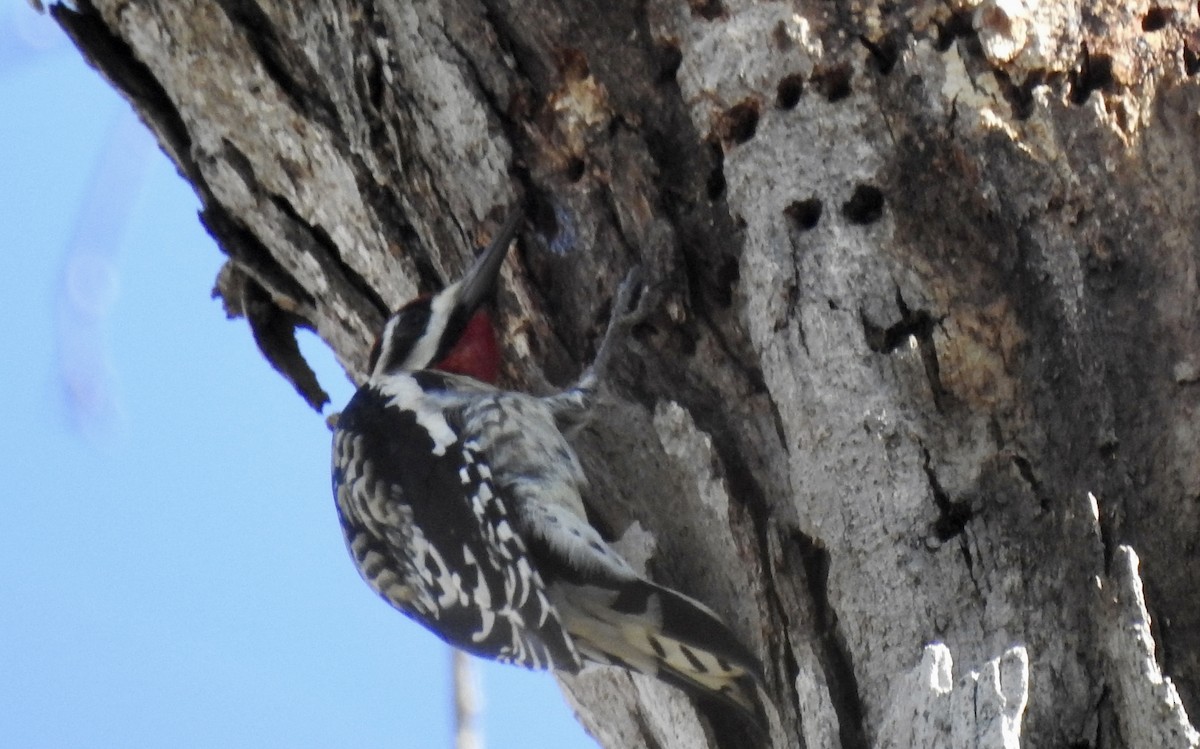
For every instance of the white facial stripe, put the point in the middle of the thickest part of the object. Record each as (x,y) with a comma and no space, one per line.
(426,348)
(385,346)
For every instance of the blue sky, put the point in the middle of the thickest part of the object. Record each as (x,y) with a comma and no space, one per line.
(171,569)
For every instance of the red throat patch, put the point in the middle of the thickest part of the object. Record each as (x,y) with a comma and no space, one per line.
(476,354)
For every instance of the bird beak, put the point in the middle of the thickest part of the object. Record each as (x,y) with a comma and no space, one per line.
(481,277)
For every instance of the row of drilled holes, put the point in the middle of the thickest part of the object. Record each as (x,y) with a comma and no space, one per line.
(864,207)
(1094,71)
(740,122)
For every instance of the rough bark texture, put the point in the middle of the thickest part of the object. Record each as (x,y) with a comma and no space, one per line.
(923,373)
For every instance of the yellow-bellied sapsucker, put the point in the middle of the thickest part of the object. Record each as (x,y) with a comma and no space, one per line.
(461,507)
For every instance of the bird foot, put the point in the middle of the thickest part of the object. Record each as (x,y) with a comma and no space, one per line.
(630,306)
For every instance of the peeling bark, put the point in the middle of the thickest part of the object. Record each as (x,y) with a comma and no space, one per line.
(928,280)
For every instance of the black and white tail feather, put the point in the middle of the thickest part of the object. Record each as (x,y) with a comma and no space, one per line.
(461,506)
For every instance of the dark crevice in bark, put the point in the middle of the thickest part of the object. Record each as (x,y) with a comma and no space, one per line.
(958,26)
(793,293)
(280,64)
(670,58)
(527,62)
(396,227)
(888,340)
(1025,469)
(325,249)
(1094,73)
(730,728)
(783,652)
(1191,59)
(914,324)
(114,59)
(952,516)
(885,52)
(372,85)
(964,545)
(729,274)
(1108,546)
(714,185)
(497,107)
(1020,96)
(831,649)
(644,729)
(543,214)
(745,489)
(239,163)
(1160,626)
(752,375)
(1105,719)
(254,259)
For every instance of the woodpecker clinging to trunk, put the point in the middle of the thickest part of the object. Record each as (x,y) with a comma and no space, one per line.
(461,507)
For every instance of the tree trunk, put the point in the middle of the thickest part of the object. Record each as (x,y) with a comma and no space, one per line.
(922,374)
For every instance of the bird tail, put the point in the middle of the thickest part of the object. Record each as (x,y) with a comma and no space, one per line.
(657,631)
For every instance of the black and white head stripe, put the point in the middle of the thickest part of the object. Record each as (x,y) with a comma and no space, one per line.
(448,315)
(424,331)
(400,335)
(421,333)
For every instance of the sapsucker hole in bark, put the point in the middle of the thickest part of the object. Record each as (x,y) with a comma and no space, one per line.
(709,10)
(575,169)
(834,83)
(865,206)
(789,91)
(1191,60)
(804,214)
(1094,72)
(1157,19)
(740,122)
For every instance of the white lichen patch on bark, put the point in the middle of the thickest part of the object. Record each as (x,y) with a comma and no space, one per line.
(1148,707)
(984,708)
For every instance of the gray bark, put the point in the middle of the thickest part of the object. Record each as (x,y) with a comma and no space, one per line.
(921,382)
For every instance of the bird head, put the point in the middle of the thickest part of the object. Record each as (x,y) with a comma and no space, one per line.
(448,331)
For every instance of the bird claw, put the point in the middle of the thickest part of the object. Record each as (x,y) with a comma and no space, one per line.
(630,306)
